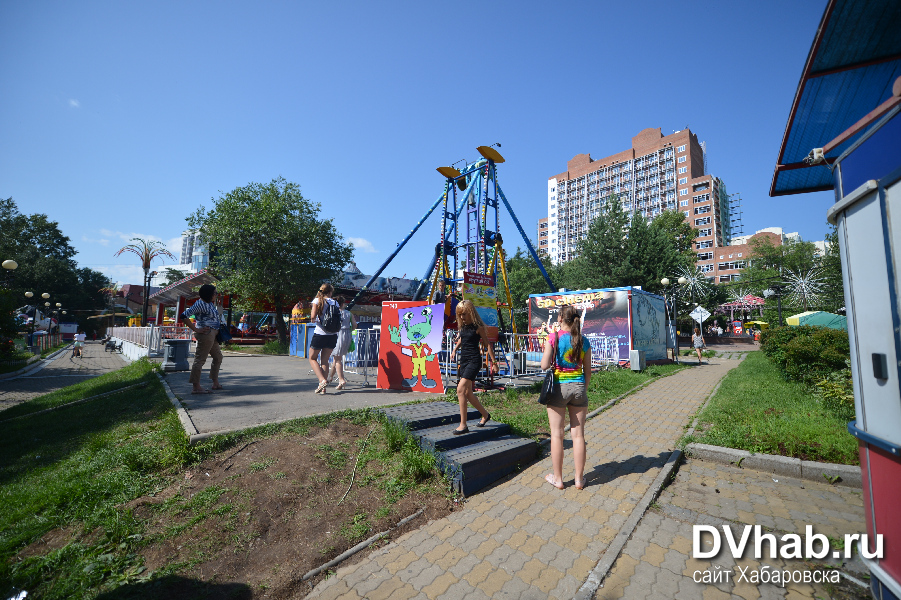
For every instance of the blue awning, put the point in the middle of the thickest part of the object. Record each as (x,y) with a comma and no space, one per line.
(854,60)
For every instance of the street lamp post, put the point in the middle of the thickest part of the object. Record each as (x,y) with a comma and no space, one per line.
(777,291)
(674,293)
(9,266)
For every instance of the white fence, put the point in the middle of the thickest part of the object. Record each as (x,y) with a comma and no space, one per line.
(149,339)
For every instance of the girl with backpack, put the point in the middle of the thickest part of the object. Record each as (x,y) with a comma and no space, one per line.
(322,312)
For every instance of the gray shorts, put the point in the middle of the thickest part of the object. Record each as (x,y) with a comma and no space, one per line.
(570,394)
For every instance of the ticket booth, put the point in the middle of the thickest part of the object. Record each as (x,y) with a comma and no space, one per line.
(868,189)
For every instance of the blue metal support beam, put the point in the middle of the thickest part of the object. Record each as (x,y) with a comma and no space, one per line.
(525,238)
(398,249)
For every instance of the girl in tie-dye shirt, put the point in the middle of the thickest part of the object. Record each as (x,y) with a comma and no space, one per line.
(570,353)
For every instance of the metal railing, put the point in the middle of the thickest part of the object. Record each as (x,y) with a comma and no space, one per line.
(151,337)
(365,355)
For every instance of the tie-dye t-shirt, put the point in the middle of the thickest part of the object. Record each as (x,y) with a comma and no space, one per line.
(568,370)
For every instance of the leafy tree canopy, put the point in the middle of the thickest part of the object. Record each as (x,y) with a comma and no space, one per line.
(46,264)
(269,245)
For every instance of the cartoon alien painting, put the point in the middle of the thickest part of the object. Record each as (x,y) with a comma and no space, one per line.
(417,348)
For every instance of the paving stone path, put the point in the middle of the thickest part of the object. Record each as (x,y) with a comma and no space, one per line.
(523,538)
(59,372)
(657,563)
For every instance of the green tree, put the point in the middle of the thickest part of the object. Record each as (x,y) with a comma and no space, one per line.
(831,269)
(525,278)
(268,245)
(173,276)
(604,250)
(46,263)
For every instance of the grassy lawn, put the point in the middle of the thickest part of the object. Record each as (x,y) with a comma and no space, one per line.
(80,487)
(756,410)
(519,408)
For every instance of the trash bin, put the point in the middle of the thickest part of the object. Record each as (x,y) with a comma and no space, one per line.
(175,355)
(637,360)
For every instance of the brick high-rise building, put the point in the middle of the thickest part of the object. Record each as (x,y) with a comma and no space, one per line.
(542,235)
(657,173)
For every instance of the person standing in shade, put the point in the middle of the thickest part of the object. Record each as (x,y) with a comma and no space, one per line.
(323,342)
(440,294)
(342,346)
(570,354)
(205,327)
(697,341)
(472,333)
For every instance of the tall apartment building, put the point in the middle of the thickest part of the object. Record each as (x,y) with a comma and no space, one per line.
(542,235)
(657,173)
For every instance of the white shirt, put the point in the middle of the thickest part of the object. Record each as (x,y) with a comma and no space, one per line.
(80,337)
(319,330)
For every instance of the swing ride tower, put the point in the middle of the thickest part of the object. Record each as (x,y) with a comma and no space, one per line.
(470,239)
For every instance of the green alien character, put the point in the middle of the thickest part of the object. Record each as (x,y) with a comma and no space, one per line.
(418,351)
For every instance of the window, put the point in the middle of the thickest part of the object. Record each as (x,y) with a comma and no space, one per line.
(707,244)
(683,192)
(683,203)
(683,180)
(726,266)
(686,213)
(705,232)
(682,170)
(701,198)
(705,255)
(730,256)
(682,159)
(706,268)
(739,255)
(681,148)
(700,210)
(702,221)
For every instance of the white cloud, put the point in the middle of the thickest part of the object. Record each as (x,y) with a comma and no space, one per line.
(74,103)
(362,244)
(101,241)
(122,274)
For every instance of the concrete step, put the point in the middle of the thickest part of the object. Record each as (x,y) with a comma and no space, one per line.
(473,460)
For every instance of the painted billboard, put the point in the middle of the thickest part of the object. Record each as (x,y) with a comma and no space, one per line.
(410,343)
(603,312)
(648,325)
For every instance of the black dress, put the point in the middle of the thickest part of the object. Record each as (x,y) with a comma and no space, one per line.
(470,358)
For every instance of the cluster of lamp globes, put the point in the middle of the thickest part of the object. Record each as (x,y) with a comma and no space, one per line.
(11,265)
(665,281)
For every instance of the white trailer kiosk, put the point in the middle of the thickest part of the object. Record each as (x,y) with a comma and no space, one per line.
(844,133)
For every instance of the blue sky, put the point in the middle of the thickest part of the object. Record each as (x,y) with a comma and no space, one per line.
(119,119)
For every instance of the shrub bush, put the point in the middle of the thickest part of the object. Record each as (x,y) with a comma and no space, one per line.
(837,393)
(274,347)
(807,354)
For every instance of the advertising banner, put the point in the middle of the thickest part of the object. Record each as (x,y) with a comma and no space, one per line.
(648,329)
(603,312)
(482,292)
(410,343)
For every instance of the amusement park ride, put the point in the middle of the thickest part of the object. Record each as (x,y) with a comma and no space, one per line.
(470,237)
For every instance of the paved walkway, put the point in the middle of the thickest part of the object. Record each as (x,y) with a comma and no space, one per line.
(49,375)
(525,539)
(268,389)
(657,563)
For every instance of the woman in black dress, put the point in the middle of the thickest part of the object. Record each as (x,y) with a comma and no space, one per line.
(472,332)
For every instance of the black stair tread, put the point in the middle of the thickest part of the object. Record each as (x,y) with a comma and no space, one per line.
(443,438)
(487,448)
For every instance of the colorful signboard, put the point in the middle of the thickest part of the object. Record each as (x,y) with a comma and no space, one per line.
(410,342)
(481,290)
(603,312)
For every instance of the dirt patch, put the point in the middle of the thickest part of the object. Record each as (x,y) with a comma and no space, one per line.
(267,512)
(50,541)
